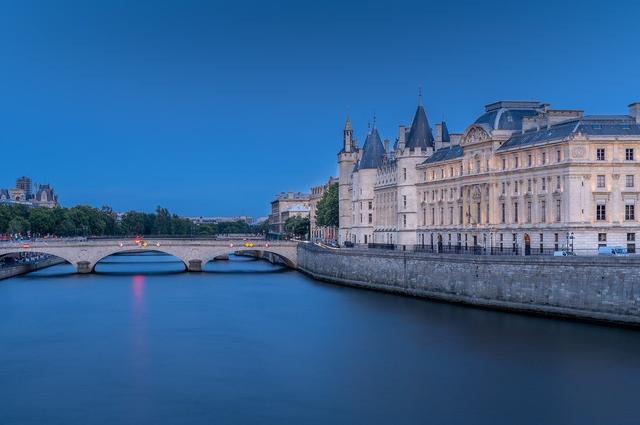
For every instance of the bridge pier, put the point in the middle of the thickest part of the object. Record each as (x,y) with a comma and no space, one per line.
(194,266)
(84,267)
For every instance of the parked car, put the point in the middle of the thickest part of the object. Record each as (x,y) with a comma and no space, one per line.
(563,253)
(612,251)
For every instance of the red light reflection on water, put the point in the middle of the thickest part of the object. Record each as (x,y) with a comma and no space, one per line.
(139,359)
(138,289)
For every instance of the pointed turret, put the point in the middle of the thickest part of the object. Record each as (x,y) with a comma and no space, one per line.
(420,135)
(372,151)
(347,136)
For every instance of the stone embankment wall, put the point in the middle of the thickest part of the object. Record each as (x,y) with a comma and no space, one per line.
(593,288)
(8,272)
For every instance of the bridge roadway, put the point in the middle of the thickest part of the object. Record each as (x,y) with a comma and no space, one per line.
(194,253)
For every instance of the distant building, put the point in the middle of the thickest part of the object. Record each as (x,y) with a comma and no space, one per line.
(45,197)
(325,233)
(24,183)
(23,194)
(282,208)
(213,220)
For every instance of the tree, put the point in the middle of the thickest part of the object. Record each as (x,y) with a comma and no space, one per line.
(42,221)
(18,225)
(327,210)
(297,226)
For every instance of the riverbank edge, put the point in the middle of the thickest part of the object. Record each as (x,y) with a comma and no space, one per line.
(544,310)
(28,268)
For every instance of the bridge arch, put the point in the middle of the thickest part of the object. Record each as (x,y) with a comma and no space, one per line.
(105,253)
(52,252)
(289,262)
(288,255)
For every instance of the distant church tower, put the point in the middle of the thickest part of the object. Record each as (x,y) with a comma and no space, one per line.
(347,159)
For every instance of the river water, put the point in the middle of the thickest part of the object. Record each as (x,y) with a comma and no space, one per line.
(247,342)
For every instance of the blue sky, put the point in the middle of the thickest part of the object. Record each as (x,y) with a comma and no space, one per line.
(211,108)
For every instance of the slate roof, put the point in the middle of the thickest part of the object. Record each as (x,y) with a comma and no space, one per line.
(420,135)
(505,119)
(372,151)
(445,154)
(590,125)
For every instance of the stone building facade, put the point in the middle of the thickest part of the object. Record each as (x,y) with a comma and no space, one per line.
(522,178)
(285,205)
(324,233)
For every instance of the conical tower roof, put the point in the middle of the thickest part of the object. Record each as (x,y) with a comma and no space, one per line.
(420,135)
(372,151)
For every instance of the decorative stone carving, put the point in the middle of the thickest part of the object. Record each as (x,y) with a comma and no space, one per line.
(578,152)
(475,134)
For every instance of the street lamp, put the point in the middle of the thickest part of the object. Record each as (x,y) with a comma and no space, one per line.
(571,237)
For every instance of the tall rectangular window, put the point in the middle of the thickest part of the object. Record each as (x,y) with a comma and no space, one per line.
(600,154)
(558,156)
(516,162)
(504,188)
(630,212)
(460,214)
(544,183)
(602,240)
(600,181)
(478,213)
(515,212)
(543,211)
(433,216)
(404,201)
(629,181)
(504,163)
(404,173)
(515,187)
(404,220)
(628,154)
(370,205)
(541,243)
(503,213)
(441,216)
(450,215)
(558,182)
(558,210)
(631,243)
(601,212)
(529,160)
(528,212)
(370,218)
(529,185)
(544,158)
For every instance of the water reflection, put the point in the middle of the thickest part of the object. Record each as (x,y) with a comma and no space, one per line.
(276,347)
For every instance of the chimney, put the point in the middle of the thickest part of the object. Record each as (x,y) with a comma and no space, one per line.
(401,132)
(438,132)
(634,111)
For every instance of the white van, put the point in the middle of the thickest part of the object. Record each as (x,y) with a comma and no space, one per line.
(615,251)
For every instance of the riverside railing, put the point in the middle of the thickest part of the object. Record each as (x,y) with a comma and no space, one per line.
(510,250)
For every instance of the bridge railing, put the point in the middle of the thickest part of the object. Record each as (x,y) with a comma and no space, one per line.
(239,243)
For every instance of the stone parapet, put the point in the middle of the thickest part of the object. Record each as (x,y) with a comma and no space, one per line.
(593,288)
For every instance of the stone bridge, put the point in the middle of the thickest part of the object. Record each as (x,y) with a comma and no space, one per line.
(194,253)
